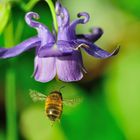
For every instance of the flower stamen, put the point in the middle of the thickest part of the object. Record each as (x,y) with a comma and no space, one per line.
(81,46)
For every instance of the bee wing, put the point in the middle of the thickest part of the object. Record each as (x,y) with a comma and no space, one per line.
(37,96)
(73,101)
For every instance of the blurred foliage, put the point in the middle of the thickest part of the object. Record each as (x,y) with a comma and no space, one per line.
(111,107)
(4,14)
(2,135)
(35,127)
(28,6)
(122,88)
(132,7)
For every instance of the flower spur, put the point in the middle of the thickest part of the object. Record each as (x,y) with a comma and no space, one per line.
(59,53)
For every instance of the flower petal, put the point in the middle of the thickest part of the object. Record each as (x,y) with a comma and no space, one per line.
(100,53)
(69,68)
(43,32)
(69,32)
(22,47)
(67,46)
(95,51)
(63,18)
(96,33)
(30,22)
(80,21)
(62,48)
(45,69)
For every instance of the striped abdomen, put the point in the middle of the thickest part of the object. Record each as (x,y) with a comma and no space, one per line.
(53,105)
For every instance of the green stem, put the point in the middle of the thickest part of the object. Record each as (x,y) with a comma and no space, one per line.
(50,3)
(29,5)
(10,91)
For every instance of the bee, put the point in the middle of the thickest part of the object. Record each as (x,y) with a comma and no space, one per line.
(53,103)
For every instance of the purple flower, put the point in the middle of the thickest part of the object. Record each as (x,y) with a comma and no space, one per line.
(59,53)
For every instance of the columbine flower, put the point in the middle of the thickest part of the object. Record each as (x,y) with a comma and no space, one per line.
(59,53)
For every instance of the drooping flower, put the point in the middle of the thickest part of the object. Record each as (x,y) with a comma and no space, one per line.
(59,53)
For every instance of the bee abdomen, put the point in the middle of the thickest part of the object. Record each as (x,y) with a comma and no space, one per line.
(53,105)
(54,111)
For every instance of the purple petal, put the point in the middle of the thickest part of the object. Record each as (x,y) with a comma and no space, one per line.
(69,33)
(43,32)
(97,52)
(45,69)
(69,68)
(96,33)
(64,45)
(62,48)
(29,21)
(80,21)
(53,52)
(22,47)
(63,18)
(100,53)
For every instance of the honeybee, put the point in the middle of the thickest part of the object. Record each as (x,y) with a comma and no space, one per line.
(53,103)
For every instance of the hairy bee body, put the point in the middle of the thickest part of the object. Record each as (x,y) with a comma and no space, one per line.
(54,105)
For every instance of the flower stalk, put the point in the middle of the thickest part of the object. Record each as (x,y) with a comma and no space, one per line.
(51,6)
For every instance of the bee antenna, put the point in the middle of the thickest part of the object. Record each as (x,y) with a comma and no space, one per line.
(61,88)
